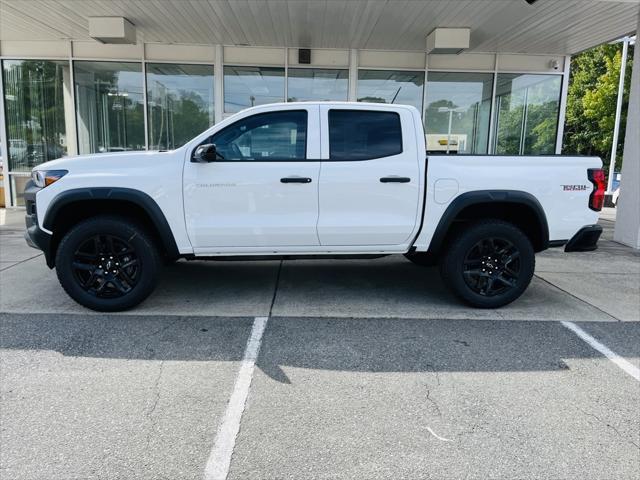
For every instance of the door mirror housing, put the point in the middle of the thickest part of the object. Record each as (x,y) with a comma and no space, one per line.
(205,154)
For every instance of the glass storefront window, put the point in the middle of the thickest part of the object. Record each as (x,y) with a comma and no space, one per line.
(527,108)
(179,102)
(246,87)
(458,110)
(386,86)
(317,84)
(35,92)
(110,106)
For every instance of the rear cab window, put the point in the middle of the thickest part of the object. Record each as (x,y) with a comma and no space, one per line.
(363,134)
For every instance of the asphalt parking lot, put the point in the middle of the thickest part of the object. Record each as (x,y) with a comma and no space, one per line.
(322,369)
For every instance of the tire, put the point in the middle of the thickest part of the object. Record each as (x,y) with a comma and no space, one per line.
(107,263)
(509,263)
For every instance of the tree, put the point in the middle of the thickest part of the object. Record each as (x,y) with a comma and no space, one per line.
(176,117)
(591,102)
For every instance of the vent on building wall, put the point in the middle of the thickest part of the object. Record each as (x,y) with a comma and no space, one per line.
(448,40)
(304,56)
(112,30)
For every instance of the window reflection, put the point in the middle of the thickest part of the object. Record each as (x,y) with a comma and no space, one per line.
(246,87)
(273,136)
(457,113)
(527,113)
(179,102)
(35,93)
(309,84)
(110,106)
(386,86)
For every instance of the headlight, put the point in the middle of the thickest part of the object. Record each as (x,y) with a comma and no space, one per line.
(44,178)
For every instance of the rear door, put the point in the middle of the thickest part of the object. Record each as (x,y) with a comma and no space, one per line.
(369,176)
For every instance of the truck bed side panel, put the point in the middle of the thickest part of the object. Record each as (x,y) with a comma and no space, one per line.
(559,183)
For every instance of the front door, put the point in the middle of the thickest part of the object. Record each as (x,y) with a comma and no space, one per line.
(263,189)
(370,176)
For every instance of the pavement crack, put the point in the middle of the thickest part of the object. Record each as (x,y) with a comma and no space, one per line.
(164,328)
(20,262)
(157,332)
(149,414)
(433,402)
(577,298)
(608,425)
(428,396)
(430,368)
(156,389)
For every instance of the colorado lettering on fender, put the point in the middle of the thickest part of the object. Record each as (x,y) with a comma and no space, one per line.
(574,188)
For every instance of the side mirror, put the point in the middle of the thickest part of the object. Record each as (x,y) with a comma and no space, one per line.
(205,154)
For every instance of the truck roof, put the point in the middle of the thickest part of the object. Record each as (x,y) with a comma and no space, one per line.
(334,103)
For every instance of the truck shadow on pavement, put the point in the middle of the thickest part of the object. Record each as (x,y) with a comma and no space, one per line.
(390,287)
(360,345)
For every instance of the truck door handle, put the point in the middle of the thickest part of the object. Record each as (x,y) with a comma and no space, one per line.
(395,179)
(295,180)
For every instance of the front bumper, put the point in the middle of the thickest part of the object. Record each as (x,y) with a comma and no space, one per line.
(586,240)
(34,235)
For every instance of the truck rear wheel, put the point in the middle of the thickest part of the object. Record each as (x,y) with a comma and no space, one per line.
(107,263)
(489,264)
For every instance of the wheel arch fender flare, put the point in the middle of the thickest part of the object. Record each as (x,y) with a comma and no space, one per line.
(478,197)
(137,197)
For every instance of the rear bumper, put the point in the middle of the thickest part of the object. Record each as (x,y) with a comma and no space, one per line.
(34,235)
(585,240)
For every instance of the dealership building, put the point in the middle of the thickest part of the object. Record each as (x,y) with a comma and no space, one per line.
(488,76)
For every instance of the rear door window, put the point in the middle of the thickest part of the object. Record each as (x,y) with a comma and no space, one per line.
(363,135)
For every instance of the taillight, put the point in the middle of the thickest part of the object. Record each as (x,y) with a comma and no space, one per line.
(596,199)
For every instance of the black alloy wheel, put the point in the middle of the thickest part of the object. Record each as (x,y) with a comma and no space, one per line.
(492,267)
(489,263)
(108,263)
(106,266)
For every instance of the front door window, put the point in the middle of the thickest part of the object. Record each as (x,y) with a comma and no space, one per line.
(274,137)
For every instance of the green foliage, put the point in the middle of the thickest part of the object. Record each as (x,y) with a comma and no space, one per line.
(591,102)
(181,115)
(541,125)
(438,122)
(529,116)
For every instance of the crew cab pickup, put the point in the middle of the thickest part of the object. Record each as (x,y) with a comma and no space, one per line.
(309,179)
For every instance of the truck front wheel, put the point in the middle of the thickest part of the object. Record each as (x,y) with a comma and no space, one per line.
(489,264)
(107,263)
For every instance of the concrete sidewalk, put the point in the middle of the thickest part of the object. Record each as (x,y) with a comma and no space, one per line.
(607,279)
(603,286)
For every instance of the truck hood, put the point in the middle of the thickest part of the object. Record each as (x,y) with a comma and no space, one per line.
(98,161)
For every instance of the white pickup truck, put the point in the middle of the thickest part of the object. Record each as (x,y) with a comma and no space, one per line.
(309,179)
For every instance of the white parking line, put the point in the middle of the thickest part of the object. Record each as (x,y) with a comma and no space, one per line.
(611,355)
(220,457)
